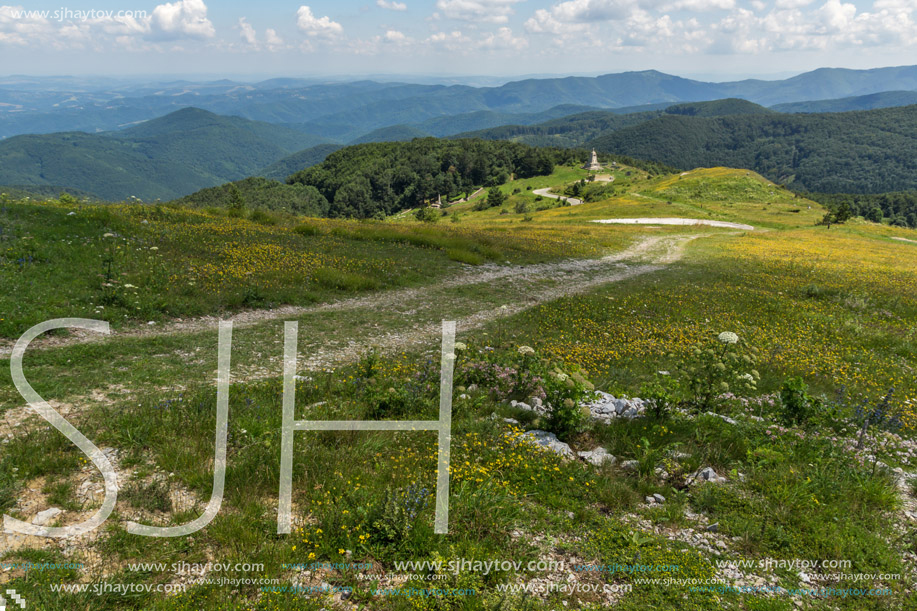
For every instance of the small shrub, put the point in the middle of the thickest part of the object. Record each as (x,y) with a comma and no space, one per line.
(464,256)
(153,497)
(343,280)
(399,513)
(308,229)
(797,407)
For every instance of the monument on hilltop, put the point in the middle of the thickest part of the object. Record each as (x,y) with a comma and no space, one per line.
(593,163)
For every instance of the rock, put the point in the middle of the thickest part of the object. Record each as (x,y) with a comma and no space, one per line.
(524,406)
(659,498)
(803,577)
(510,421)
(537,404)
(598,457)
(630,412)
(649,500)
(630,465)
(715,527)
(43,517)
(620,405)
(725,419)
(549,441)
(707,474)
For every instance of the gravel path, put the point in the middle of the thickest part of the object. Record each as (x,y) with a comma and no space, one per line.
(569,276)
(547,193)
(675,221)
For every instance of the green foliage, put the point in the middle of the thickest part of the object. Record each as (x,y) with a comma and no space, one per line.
(495,197)
(563,394)
(724,364)
(797,407)
(260,193)
(392,176)
(152,496)
(862,152)
(427,214)
(899,208)
(399,513)
(279,170)
(163,158)
(659,396)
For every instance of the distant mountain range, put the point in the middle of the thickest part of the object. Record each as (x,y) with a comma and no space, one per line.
(163,158)
(648,114)
(344,112)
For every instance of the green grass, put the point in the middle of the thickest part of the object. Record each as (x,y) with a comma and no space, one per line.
(796,292)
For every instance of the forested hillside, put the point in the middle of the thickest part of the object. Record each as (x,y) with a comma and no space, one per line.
(575,130)
(258,193)
(381,178)
(858,152)
(160,159)
(301,160)
(899,208)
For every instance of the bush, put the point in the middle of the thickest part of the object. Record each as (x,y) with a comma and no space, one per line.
(563,394)
(721,368)
(797,407)
(659,397)
(427,214)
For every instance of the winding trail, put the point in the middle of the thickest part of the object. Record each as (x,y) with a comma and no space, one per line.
(516,288)
(547,193)
(674,221)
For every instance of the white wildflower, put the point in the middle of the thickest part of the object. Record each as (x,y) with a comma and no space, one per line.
(728,337)
(459,346)
(526,350)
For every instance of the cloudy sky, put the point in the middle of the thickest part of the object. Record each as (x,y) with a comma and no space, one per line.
(728,38)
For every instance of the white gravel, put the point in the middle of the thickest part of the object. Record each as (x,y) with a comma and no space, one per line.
(675,221)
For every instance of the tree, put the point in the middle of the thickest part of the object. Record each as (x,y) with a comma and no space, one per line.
(874,215)
(495,197)
(236,201)
(427,214)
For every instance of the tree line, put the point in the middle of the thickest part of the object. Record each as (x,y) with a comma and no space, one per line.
(382,178)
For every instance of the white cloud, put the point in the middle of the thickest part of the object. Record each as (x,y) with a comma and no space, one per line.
(314,26)
(503,39)
(248,32)
(544,22)
(274,41)
(792,3)
(182,19)
(477,11)
(16,29)
(391,5)
(585,11)
(699,6)
(394,36)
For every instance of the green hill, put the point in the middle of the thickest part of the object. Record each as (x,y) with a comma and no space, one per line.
(886,99)
(260,193)
(163,158)
(859,152)
(718,108)
(290,164)
(394,133)
(367,180)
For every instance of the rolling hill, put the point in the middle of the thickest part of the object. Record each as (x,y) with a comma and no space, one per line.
(345,111)
(301,160)
(163,158)
(870,151)
(885,99)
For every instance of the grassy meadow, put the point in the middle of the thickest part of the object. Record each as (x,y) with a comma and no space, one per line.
(825,318)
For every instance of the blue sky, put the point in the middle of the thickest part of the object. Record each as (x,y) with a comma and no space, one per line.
(713,38)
